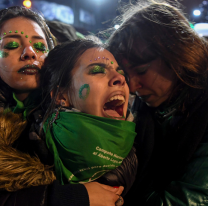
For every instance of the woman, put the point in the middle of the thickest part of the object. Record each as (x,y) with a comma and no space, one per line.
(88,95)
(166,62)
(25,41)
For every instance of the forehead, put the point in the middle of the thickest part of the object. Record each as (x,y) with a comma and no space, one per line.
(22,24)
(96,55)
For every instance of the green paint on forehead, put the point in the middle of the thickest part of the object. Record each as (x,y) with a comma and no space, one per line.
(84,88)
(4,54)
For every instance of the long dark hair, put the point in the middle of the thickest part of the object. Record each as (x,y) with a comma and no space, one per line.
(57,70)
(167,33)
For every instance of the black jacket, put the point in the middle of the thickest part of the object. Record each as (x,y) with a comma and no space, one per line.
(173,154)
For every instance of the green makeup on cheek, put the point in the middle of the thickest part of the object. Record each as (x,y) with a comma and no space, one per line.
(40,46)
(4,54)
(97,69)
(11,45)
(84,88)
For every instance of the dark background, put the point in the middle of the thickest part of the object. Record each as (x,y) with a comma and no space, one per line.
(104,11)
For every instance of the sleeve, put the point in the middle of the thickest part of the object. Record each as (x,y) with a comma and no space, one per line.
(192,188)
(124,175)
(47,195)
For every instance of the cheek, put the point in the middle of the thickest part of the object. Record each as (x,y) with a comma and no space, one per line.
(84,91)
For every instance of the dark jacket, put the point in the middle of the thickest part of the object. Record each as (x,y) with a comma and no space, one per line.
(173,154)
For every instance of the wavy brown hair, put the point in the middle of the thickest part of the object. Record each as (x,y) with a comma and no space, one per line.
(167,34)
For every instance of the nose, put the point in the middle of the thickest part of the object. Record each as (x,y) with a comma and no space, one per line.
(134,84)
(117,80)
(28,54)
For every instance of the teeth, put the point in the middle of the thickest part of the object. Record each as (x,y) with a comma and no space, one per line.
(31,70)
(117,97)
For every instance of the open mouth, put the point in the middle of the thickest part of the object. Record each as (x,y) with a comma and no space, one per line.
(113,108)
(29,69)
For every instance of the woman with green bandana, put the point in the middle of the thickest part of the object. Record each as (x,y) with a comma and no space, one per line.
(167,67)
(87,127)
(24,180)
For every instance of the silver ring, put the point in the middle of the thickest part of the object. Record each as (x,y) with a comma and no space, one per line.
(119,202)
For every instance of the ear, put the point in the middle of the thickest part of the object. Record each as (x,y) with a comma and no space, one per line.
(62,98)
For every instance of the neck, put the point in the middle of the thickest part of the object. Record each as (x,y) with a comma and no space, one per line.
(21,96)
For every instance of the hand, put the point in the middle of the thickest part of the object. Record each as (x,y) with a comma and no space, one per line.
(102,195)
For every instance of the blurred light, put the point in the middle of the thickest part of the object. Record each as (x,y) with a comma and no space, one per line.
(201,29)
(116,26)
(27,3)
(197,13)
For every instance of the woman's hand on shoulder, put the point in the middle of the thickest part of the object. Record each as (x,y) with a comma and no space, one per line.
(102,195)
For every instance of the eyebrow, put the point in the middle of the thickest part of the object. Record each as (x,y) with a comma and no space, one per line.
(19,36)
(102,65)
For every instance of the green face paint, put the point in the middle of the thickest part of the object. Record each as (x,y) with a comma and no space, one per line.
(83,88)
(11,45)
(26,36)
(121,72)
(111,62)
(10,31)
(40,46)
(30,41)
(16,31)
(22,32)
(4,54)
(97,69)
(4,33)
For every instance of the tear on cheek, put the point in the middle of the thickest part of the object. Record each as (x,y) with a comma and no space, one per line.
(84,91)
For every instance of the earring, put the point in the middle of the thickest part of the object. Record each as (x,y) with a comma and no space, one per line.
(62,103)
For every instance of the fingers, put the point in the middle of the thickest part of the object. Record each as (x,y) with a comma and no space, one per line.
(120,190)
(116,190)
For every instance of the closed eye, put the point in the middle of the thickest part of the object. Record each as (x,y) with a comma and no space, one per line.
(140,70)
(97,70)
(11,45)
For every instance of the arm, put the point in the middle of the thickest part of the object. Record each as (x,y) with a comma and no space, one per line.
(124,175)
(93,194)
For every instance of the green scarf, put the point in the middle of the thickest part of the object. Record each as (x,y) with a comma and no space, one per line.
(86,146)
(28,104)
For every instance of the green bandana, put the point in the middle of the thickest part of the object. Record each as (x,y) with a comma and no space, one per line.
(87,146)
(28,104)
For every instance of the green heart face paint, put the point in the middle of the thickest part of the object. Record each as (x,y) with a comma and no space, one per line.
(4,54)
(85,88)
(11,45)
(97,69)
(40,46)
